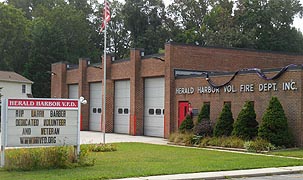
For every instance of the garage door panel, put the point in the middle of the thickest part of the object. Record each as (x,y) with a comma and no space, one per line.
(95,106)
(153,107)
(73,91)
(122,106)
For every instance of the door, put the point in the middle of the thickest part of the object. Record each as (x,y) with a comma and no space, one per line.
(183,109)
(122,106)
(154,107)
(95,104)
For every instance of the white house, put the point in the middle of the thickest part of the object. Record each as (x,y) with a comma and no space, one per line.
(13,85)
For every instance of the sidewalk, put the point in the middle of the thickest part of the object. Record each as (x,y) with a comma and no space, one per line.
(226,174)
(97,137)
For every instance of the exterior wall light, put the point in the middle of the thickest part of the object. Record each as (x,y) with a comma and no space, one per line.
(82,100)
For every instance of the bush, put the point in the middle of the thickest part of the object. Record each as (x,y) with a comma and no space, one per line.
(224,124)
(274,126)
(258,145)
(100,147)
(43,158)
(204,141)
(187,125)
(204,113)
(186,138)
(231,142)
(203,128)
(246,126)
(53,157)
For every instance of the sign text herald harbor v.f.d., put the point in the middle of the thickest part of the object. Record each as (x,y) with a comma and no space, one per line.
(40,122)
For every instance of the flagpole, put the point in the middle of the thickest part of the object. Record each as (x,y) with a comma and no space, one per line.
(104,84)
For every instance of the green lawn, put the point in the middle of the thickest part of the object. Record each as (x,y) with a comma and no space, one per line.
(137,159)
(291,153)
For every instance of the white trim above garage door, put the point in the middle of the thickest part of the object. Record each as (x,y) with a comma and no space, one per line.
(122,106)
(95,106)
(154,107)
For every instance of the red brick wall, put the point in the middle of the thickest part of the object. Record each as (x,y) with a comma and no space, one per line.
(290,100)
(176,57)
(220,59)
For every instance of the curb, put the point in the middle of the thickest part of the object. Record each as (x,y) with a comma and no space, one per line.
(226,174)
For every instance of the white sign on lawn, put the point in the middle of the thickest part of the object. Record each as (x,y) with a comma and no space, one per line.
(40,122)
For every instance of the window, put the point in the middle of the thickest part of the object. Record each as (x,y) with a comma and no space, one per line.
(125,110)
(252,103)
(163,111)
(151,111)
(228,103)
(207,105)
(94,110)
(120,111)
(99,110)
(158,111)
(23,88)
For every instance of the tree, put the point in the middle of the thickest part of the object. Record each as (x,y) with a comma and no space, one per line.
(267,23)
(144,20)
(14,39)
(48,46)
(118,42)
(186,20)
(204,112)
(224,124)
(246,126)
(274,126)
(187,124)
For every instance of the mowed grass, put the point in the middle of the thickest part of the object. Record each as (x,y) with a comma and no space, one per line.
(138,159)
(289,152)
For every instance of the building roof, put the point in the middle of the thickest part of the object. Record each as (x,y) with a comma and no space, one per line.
(13,77)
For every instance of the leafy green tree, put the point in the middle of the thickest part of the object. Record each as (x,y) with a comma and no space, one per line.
(204,112)
(246,126)
(14,39)
(48,47)
(186,20)
(144,20)
(224,124)
(274,126)
(187,125)
(118,42)
(267,23)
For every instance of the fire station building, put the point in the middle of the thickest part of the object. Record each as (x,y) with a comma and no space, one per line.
(149,95)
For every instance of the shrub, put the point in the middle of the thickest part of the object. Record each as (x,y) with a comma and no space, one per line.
(231,142)
(204,113)
(246,126)
(258,145)
(186,138)
(45,158)
(100,147)
(274,126)
(187,125)
(224,124)
(204,141)
(203,128)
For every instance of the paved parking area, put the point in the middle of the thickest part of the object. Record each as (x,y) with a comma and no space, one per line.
(87,137)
